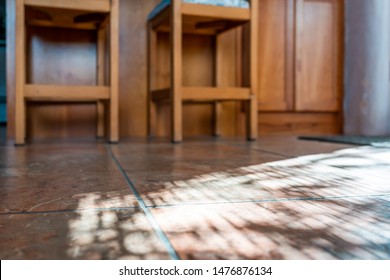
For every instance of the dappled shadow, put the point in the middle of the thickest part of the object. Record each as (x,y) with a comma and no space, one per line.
(70,201)
(88,232)
(344,173)
(324,206)
(330,229)
(112,234)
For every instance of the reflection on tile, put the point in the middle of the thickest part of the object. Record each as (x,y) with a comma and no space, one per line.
(164,161)
(348,172)
(338,229)
(55,177)
(67,158)
(333,204)
(291,146)
(85,234)
(161,169)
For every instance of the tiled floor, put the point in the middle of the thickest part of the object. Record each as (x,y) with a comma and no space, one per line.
(277,198)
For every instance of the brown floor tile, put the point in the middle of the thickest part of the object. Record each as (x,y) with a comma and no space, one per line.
(182,161)
(201,173)
(155,169)
(329,203)
(60,177)
(291,146)
(337,229)
(80,235)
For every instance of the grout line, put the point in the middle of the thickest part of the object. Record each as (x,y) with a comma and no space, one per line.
(269,200)
(273,153)
(69,211)
(160,233)
(264,151)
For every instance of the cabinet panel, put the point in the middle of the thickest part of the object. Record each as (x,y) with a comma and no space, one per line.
(286,123)
(318,53)
(276,54)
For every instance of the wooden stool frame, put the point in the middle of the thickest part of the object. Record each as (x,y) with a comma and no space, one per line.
(102,94)
(175,15)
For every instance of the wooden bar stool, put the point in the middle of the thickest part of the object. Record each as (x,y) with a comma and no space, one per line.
(185,16)
(101,16)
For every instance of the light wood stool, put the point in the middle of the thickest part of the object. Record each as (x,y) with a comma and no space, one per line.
(99,15)
(180,17)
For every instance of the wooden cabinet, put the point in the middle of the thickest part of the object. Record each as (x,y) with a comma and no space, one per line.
(275,55)
(318,52)
(300,64)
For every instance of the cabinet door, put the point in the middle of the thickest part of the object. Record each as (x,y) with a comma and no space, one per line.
(276,53)
(318,55)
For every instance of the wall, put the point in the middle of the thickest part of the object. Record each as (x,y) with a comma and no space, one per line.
(367,73)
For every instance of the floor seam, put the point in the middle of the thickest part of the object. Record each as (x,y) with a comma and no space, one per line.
(264,151)
(326,198)
(69,211)
(156,227)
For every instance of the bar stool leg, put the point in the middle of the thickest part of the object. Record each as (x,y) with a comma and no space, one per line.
(101,66)
(20,74)
(217,106)
(152,60)
(176,71)
(252,117)
(114,69)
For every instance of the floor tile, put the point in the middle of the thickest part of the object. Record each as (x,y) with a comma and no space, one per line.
(151,167)
(174,162)
(276,198)
(198,174)
(333,229)
(79,235)
(60,177)
(291,146)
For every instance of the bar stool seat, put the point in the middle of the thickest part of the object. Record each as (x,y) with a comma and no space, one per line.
(226,3)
